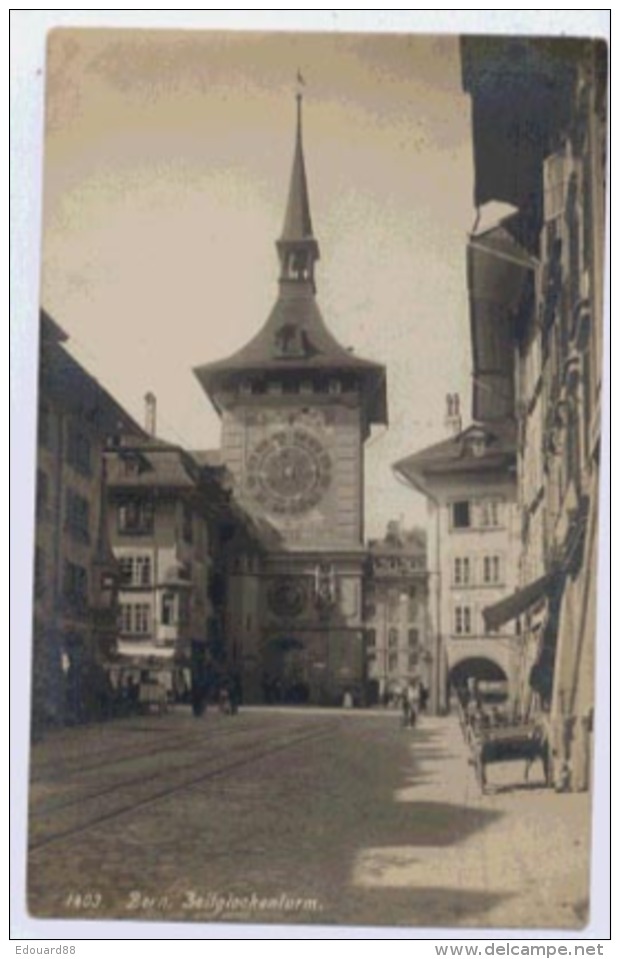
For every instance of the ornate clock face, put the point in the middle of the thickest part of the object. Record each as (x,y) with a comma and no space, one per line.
(287,596)
(289,472)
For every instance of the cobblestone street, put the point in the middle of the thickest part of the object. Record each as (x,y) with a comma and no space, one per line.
(297,816)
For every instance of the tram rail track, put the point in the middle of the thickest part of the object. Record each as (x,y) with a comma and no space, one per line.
(235,762)
(191,744)
(40,772)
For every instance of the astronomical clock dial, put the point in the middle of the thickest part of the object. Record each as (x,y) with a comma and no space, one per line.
(289,472)
(287,596)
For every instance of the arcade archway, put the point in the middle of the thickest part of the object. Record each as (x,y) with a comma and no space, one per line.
(477,672)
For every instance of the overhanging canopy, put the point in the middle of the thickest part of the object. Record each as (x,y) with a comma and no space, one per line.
(512,606)
(500,277)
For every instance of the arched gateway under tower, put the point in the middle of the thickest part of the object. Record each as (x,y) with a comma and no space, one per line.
(296,408)
(480,674)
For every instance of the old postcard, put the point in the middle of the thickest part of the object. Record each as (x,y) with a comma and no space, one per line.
(317,485)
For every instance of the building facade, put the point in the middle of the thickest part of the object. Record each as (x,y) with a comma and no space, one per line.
(469,484)
(537,284)
(296,408)
(75,575)
(188,561)
(396,613)
(159,533)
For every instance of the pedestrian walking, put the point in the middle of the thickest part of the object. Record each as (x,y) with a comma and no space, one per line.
(225,701)
(406,710)
(412,695)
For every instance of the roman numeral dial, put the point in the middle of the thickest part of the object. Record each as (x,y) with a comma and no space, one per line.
(289,472)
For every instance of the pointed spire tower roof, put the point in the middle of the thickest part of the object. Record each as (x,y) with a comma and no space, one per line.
(297,220)
(294,337)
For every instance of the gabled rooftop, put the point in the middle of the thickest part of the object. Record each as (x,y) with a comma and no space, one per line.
(478,449)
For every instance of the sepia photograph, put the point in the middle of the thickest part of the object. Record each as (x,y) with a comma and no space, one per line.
(320,346)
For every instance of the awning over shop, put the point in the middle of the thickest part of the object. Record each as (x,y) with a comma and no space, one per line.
(500,279)
(517,603)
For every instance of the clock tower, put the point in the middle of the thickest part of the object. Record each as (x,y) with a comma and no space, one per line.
(296,408)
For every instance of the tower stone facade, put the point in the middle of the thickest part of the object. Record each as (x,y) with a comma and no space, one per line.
(296,408)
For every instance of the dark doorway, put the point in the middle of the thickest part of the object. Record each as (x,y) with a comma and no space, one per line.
(286,674)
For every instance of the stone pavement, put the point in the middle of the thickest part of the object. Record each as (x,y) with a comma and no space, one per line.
(297,816)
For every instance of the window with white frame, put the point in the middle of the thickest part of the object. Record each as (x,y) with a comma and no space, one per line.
(489,513)
(135,619)
(136,570)
(141,618)
(491,570)
(462,620)
(461,571)
(135,516)
(142,570)
(125,618)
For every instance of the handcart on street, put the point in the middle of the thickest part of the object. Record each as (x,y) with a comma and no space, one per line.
(498,742)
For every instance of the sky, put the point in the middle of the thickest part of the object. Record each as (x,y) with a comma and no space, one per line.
(167,159)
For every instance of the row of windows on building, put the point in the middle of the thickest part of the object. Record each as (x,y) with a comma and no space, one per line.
(136,516)
(484,570)
(393,662)
(398,564)
(137,570)
(467,620)
(136,619)
(293,386)
(78,446)
(476,514)
(77,509)
(394,603)
(74,581)
(410,638)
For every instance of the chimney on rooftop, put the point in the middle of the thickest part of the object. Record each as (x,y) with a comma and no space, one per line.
(150,414)
(453,420)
